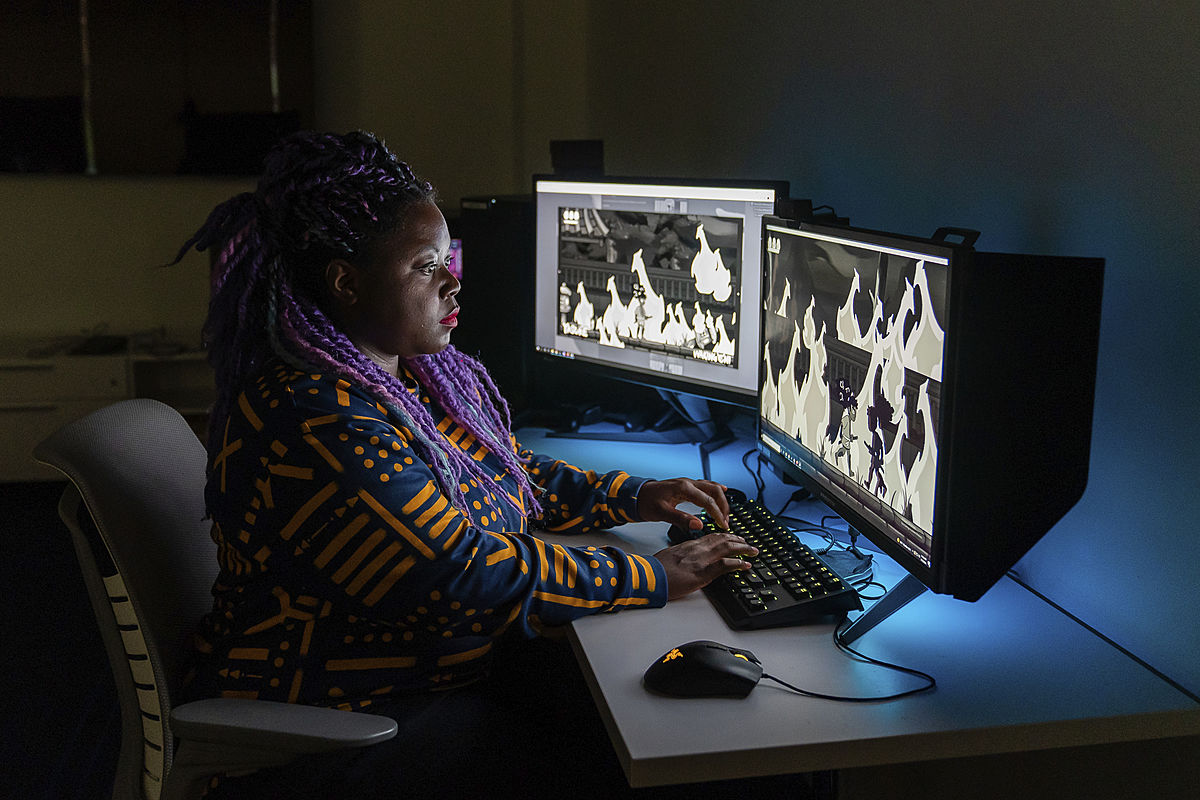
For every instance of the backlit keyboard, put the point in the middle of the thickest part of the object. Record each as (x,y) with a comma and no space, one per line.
(787,584)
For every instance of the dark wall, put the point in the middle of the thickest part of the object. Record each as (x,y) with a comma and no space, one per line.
(148,61)
(1059,128)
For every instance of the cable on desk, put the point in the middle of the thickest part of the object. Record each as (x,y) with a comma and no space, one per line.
(798,496)
(859,587)
(863,576)
(840,699)
(1016,578)
(756,474)
(929,681)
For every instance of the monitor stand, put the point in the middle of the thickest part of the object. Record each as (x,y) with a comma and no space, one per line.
(700,427)
(900,595)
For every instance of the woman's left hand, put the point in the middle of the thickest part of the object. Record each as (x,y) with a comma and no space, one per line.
(657,501)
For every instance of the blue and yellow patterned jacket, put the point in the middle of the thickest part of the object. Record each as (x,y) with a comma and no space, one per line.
(346,574)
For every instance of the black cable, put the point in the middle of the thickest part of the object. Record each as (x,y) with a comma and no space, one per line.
(841,699)
(859,587)
(929,680)
(831,516)
(1016,578)
(759,484)
(826,533)
(845,648)
(798,496)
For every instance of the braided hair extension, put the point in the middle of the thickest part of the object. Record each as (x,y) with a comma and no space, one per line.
(324,196)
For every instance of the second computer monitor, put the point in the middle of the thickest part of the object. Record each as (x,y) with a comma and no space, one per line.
(937,397)
(653,280)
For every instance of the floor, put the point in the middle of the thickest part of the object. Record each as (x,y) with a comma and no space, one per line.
(61,731)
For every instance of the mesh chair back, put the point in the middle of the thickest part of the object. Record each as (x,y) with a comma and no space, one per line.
(148,558)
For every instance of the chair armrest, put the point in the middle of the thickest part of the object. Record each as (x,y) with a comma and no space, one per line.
(263,724)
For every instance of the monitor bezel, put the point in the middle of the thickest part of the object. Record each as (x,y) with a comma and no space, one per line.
(744,397)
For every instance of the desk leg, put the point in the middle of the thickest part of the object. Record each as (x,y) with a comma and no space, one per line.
(824,784)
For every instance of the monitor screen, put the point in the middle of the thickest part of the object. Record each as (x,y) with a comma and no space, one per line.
(853,351)
(656,281)
(936,397)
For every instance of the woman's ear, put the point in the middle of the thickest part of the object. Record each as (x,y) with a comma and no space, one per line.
(341,279)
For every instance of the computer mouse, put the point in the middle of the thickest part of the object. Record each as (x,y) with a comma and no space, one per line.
(704,669)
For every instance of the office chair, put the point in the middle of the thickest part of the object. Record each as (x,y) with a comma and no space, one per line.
(134,506)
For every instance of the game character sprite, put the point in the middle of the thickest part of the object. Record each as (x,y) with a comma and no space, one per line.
(875,471)
(564,305)
(637,311)
(880,410)
(704,338)
(849,403)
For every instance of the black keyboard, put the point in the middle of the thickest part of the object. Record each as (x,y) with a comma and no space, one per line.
(787,584)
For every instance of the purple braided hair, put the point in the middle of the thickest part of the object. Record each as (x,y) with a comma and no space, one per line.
(324,196)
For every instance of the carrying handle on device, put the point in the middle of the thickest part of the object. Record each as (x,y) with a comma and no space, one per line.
(967,235)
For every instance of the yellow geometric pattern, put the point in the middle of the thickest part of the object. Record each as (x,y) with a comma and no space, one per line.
(346,574)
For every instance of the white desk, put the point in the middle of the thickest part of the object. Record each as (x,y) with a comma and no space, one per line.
(1013,673)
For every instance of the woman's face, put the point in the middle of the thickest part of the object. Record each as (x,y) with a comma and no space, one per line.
(404,304)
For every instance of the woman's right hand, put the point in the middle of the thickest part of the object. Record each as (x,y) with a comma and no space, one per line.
(693,564)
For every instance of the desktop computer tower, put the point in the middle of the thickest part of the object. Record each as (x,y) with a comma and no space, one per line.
(496,324)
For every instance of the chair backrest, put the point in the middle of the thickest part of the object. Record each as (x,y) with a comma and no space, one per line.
(147,557)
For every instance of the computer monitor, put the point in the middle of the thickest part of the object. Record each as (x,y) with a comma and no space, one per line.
(456,258)
(653,280)
(938,398)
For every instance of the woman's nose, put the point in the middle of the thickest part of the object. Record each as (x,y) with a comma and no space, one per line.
(452,285)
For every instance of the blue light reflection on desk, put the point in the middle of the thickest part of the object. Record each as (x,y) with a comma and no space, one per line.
(968,647)
(645,459)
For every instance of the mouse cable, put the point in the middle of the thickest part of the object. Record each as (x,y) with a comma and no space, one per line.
(840,699)
(840,629)
(929,681)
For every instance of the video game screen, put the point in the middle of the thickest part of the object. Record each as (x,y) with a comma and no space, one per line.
(853,349)
(658,280)
(695,259)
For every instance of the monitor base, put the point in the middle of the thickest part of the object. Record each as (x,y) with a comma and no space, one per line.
(900,595)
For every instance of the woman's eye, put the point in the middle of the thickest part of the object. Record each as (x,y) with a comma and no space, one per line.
(429,269)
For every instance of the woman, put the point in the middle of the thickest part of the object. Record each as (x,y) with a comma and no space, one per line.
(369,503)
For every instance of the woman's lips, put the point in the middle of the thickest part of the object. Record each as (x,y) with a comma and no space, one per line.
(451,319)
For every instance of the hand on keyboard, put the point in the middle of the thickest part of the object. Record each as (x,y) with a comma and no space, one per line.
(658,501)
(695,563)
(788,584)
